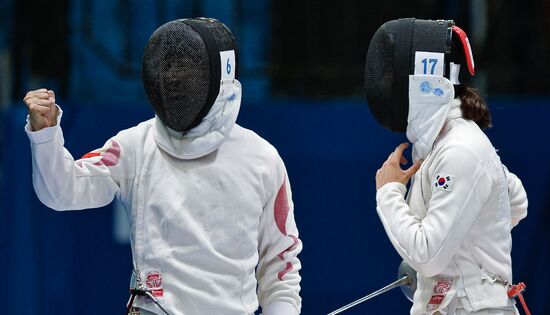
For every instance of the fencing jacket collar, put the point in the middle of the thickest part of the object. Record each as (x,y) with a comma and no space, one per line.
(210,134)
(430,100)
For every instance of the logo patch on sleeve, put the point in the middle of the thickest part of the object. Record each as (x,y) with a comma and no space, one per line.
(444,182)
(109,155)
(153,281)
(440,290)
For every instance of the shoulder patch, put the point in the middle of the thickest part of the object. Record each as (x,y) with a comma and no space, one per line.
(444,182)
(109,155)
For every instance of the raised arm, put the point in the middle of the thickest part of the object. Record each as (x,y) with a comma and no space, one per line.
(60,182)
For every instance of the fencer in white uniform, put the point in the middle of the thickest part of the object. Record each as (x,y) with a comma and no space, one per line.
(453,225)
(211,212)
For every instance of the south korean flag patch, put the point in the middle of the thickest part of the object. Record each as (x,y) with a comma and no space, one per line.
(444,182)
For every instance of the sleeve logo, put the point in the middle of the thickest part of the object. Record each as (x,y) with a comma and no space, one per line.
(109,155)
(440,290)
(153,281)
(444,182)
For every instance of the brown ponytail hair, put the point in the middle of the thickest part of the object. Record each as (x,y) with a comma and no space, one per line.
(473,106)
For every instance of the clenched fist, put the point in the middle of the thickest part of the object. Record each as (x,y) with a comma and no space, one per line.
(42,108)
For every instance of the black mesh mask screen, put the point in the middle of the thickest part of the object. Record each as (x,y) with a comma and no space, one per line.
(379,74)
(180,77)
(390,61)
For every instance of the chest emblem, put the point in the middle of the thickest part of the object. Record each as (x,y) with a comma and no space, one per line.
(444,182)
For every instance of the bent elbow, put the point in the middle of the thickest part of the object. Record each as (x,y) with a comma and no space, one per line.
(430,262)
(432,267)
(430,271)
(53,200)
(53,203)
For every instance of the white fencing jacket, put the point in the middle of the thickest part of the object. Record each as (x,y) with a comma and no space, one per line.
(211,211)
(454,227)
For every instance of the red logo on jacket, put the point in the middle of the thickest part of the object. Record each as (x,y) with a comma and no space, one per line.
(153,281)
(442,287)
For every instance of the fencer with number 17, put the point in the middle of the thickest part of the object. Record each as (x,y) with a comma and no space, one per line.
(454,225)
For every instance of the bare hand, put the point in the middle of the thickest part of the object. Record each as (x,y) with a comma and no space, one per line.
(391,171)
(42,108)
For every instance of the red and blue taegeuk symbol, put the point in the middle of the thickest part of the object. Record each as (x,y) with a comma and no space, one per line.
(443,182)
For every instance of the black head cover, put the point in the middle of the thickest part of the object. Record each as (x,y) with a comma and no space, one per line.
(391,59)
(181,69)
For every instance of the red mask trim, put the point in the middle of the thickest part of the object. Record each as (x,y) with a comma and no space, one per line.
(467,48)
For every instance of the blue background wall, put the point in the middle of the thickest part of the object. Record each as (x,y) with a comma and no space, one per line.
(69,263)
(73,263)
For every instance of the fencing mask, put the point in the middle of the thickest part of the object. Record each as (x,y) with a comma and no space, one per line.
(404,47)
(183,65)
